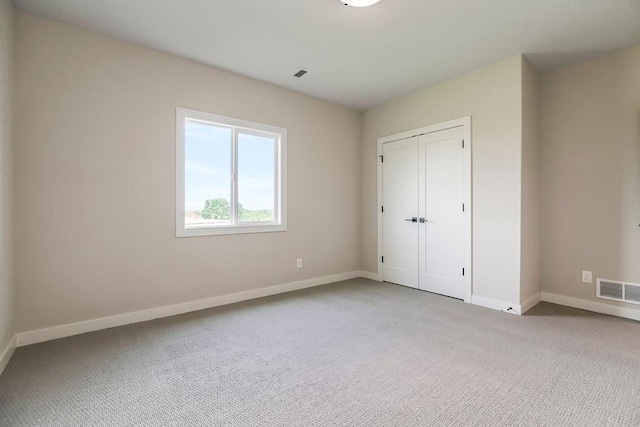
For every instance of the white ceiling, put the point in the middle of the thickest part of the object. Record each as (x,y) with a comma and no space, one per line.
(359,57)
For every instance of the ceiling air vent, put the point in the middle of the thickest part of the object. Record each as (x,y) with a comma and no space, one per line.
(618,291)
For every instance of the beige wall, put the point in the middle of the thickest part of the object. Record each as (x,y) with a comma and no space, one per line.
(6,205)
(530,244)
(556,177)
(591,174)
(95,125)
(493,97)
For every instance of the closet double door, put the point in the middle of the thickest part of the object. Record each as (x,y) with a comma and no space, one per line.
(423,236)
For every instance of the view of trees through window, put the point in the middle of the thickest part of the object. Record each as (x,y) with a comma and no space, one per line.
(220,209)
(209,184)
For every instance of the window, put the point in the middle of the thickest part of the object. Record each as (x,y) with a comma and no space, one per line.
(231,175)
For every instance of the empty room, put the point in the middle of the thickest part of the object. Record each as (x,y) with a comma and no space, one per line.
(319,213)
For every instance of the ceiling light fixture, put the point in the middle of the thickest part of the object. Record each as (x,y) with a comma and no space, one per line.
(359,3)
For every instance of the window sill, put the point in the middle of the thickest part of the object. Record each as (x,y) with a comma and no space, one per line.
(235,229)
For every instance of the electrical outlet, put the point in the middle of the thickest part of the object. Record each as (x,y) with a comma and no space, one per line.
(587,277)
(299,263)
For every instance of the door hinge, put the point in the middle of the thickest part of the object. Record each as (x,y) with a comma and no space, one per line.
(382,259)
(463,207)
(463,143)
(381,208)
(381,159)
(463,271)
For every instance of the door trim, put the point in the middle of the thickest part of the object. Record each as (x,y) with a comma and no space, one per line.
(465,122)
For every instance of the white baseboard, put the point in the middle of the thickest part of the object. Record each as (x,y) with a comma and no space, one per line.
(496,304)
(530,303)
(61,331)
(369,275)
(483,301)
(7,353)
(598,307)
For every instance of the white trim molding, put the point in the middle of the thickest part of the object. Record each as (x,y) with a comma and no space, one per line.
(7,353)
(530,303)
(597,307)
(496,304)
(370,275)
(61,331)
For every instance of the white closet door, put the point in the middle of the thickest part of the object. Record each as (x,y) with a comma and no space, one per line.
(400,202)
(441,196)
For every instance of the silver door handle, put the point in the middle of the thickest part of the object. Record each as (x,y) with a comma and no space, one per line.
(412,219)
(423,220)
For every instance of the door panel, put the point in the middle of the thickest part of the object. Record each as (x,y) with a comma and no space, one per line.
(441,193)
(400,201)
(423,177)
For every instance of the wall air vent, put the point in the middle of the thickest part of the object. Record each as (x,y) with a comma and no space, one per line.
(632,293)
(300,73)
(618,291)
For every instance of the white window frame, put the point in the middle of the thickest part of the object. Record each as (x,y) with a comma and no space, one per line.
(258,129)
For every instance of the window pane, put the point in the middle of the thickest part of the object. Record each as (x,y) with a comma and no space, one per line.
(256,178)
(207,174)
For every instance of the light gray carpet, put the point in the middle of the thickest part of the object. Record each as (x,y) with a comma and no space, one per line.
(356,353)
